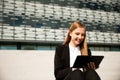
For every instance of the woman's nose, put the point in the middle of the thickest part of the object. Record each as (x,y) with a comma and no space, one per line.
(80,36)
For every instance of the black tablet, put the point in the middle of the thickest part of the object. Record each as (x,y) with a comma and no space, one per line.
(83,60)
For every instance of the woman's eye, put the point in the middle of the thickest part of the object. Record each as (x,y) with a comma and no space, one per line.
(83,35)
(77,33)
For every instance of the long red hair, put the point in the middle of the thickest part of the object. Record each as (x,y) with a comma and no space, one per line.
(83,45)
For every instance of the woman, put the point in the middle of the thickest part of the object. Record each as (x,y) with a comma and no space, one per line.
(65,55)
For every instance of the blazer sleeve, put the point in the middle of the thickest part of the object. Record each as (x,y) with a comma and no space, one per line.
(60,70)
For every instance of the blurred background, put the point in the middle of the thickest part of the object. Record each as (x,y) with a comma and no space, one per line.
(43,24)
(30,30)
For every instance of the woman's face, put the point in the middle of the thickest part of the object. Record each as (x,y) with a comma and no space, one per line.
(77,36)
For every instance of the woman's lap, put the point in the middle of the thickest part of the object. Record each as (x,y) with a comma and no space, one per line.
(79,75)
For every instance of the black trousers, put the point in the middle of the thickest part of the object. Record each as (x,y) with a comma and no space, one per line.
(79,75)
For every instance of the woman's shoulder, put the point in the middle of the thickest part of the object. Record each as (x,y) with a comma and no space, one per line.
(61,46)
(59,50)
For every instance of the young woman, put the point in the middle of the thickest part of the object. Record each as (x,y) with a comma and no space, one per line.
(65,55)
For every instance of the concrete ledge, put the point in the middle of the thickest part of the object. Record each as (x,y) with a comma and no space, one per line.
(39,65)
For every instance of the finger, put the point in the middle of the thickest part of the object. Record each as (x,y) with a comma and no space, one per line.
(92,65)
(89,66)
(84,68)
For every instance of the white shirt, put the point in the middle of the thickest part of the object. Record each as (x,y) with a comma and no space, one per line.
(74,52)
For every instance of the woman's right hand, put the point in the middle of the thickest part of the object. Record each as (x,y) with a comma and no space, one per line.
(90,65)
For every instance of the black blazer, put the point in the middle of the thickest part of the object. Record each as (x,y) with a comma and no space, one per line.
(62,62)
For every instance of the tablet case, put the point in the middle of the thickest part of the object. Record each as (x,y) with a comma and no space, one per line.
(83,60)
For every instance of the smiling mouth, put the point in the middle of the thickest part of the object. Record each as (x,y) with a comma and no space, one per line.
(78,40)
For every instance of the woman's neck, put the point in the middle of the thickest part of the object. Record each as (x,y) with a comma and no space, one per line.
(72,44)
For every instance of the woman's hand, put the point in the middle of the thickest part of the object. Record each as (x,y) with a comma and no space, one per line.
(91,65)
